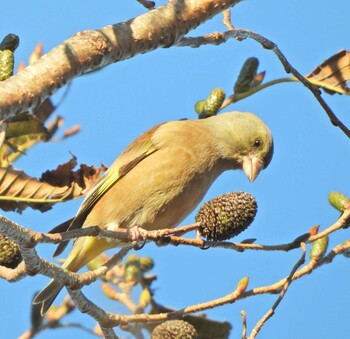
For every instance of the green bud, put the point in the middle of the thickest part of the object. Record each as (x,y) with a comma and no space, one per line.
(6,64)
(132,259)
(145,298)
(132,271)
(242,285)
(214,101)
(339,201)
(318,248)
(199,106)
(96,262)
(247,75)
(146,264)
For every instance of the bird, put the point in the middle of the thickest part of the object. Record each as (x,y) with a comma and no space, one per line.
(160,178)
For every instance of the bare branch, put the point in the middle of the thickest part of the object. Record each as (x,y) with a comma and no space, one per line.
(244,324)
(109,319)
(33,264)
(217,38)
(271,311)
(227,19)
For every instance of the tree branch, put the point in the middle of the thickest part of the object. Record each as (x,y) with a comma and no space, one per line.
(271,311)
(91,50)
(217,38)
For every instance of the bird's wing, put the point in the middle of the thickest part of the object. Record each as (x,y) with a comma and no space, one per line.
(138,150)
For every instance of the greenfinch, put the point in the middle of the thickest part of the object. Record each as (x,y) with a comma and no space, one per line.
(160,178)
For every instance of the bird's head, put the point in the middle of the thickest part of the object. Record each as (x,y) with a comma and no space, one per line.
(245,142)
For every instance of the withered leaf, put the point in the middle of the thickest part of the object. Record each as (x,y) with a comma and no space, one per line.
(80,180)
(44,110)
(23,132)
(18,190)
(62,175)
(55,124)
(333,74)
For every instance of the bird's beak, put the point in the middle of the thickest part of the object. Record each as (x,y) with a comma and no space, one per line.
(252,166)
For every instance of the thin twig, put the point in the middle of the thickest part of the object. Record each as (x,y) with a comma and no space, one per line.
(272,310)
(227,19)
(108,320)
(117,319)
(217,38)
(244,324)
(29,238)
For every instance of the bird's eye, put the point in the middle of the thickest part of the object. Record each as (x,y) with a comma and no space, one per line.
(257,143)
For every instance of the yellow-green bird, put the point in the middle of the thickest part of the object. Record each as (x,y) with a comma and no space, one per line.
(161,177)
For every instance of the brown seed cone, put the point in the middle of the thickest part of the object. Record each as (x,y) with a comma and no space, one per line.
(226,215)
(10,256)
(174,329)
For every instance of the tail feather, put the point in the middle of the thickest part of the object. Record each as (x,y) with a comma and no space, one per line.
(83,251)
(47,295)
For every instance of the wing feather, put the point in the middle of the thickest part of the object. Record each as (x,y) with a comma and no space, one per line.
(138,150)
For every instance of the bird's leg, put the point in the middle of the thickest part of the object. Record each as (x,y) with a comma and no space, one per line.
(135,235)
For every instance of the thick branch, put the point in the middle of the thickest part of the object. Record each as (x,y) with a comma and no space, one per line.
(91,50)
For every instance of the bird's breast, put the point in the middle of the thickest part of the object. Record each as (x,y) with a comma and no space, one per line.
(157,193)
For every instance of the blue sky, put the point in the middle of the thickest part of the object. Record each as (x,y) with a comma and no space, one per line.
(115,105)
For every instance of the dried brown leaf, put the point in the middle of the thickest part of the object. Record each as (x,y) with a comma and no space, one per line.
(81,179)
(22,133)
(18,190)
(62,175)
(44,111)
(71,131)
(55,124)
(333,74)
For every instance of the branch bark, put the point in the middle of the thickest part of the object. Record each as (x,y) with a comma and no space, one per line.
(91,50)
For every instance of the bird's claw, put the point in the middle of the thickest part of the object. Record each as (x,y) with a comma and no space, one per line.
(204,246)
(137,234)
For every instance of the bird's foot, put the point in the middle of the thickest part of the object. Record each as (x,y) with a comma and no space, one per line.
(136,235)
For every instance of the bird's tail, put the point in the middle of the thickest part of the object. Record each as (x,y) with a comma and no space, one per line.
(84,250)
(48,295)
